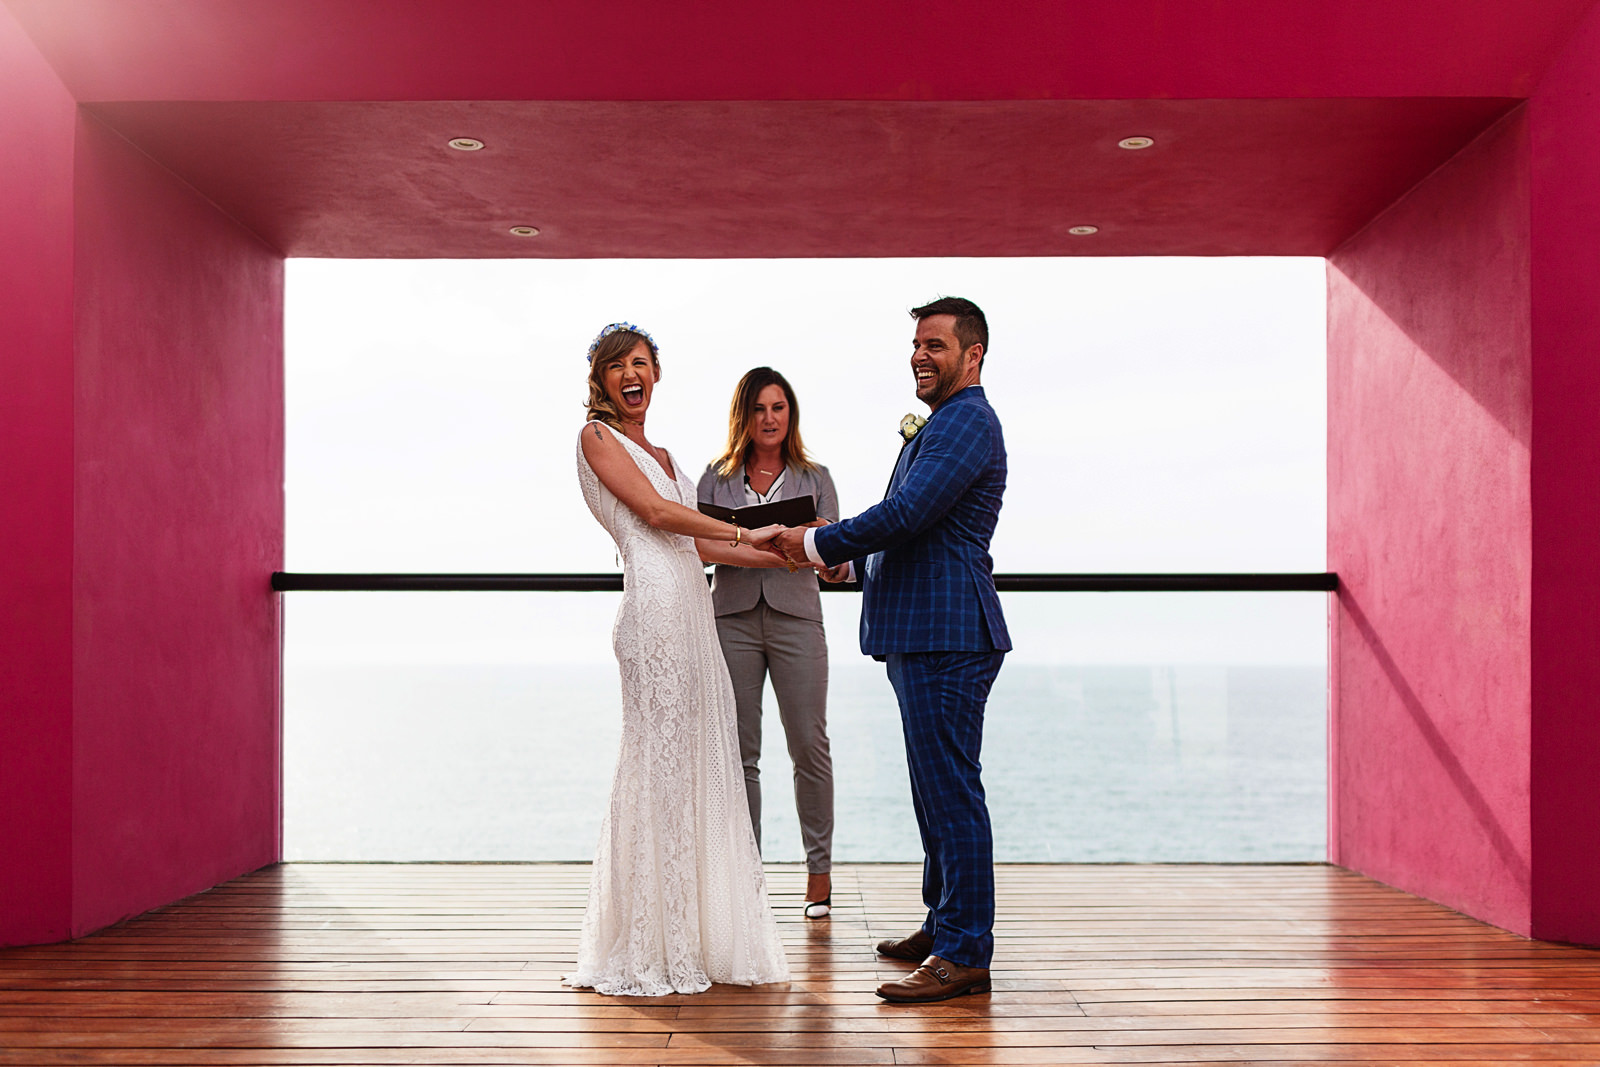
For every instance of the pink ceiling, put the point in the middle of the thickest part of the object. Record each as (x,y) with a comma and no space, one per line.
(828,128)
(1287,177)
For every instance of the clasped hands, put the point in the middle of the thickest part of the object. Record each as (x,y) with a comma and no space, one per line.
(788,543)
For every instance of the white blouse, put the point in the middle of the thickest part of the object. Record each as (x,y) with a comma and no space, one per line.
(753,497)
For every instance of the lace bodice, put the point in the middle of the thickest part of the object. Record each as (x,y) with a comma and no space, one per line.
(678,898)
(649,555)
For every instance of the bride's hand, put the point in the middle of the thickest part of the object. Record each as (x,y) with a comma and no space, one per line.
(761,537)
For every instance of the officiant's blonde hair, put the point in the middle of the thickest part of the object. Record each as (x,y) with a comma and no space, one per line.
(608,347)
(742,416)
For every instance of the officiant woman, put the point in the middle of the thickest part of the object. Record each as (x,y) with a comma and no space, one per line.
(770,621)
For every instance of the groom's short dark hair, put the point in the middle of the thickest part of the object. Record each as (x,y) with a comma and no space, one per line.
(971,327)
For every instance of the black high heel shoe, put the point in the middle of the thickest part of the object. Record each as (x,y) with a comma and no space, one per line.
(819,909)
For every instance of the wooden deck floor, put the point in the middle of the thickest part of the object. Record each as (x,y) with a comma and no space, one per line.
(376,964)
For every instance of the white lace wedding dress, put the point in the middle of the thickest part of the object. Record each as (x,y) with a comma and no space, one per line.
(677,899)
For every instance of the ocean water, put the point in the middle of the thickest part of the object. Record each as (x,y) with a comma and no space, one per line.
(1081,763)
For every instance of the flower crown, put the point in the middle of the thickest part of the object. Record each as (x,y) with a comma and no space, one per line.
(616,327)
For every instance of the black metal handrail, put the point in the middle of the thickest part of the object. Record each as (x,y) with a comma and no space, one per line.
(291,581)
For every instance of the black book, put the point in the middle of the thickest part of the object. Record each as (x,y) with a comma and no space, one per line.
(794,512)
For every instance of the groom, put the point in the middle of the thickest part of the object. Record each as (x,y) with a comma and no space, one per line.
(930,609)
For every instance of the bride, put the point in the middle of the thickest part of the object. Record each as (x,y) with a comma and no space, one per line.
(678,899)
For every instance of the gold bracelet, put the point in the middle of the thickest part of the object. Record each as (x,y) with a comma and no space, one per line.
(738,536)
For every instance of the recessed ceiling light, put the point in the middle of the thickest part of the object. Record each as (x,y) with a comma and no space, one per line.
(524,231)
(1083,231)
(465,144)
(1136,143)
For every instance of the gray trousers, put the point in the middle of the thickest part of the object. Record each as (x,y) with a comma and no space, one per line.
(795,652)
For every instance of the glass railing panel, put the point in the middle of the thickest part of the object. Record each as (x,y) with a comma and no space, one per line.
(1125,727)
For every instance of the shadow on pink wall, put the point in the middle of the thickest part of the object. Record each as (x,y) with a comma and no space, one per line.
(178,521)
(1565,773)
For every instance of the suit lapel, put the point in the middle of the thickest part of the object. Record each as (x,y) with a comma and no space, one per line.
(908,451)
(899,464)
(902,464)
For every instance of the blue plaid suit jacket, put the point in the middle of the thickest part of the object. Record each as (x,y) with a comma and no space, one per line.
(923,553)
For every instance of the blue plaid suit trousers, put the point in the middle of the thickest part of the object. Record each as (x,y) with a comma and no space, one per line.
(942,697)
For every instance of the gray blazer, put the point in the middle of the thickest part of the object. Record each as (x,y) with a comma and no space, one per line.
(735,589)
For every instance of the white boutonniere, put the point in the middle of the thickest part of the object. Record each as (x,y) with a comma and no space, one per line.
(910,425)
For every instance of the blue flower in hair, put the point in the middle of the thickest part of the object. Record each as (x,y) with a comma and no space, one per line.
(615,327)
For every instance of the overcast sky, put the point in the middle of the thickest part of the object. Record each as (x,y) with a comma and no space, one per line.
(1160,415)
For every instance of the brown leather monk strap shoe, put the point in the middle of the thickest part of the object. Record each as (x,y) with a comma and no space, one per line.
(914,948)
(936,979)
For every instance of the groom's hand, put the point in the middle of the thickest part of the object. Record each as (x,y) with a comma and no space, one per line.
(841,573)
(792,543)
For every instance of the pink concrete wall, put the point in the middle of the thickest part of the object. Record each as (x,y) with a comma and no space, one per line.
(1464,505)
(178,526)
(1429,386)
(36,126)
(1565,118)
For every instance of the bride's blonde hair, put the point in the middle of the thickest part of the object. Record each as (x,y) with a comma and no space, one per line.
(608,347)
